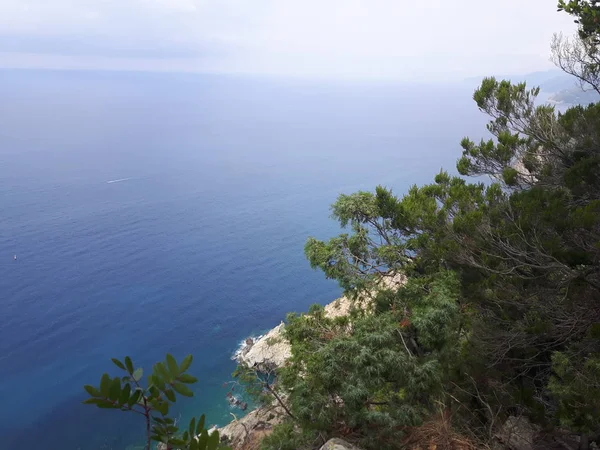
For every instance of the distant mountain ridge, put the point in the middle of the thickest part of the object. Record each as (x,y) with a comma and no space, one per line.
(555,85)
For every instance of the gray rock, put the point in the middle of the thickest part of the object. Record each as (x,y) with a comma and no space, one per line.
(240,430)
(518,433)
(273,350)
(269,352)
(338,444)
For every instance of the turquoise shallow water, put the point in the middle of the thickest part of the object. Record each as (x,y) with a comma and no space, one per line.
(168,213)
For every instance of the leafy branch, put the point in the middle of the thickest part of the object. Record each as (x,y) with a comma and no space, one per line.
(153,402)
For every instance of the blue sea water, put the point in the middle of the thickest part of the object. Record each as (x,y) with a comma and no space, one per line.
(155,213)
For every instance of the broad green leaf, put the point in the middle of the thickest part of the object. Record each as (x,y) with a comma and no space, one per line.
(125,392)
(138,374)
(200,426)
(213,441)
(188,379)
(93,401)
(183,389)
(94,392)
(135,397)
(154,391)
(176,443)
(185,364)
(194,444)
(158,382)
(186,436)
(115,389)
(170,395)
(163,408)
(172,365)
(156,427)
(129,364)
(105,383)
(107,405)
(161,371)
(192,426)
(118,363)
(203,440)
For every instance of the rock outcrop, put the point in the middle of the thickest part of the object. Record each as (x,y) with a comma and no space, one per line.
(272,350)
(250,428)
(517,433)
(338,444)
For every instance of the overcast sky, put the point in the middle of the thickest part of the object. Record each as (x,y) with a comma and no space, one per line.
(396,39)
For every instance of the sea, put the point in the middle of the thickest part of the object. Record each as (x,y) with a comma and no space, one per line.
(146,213)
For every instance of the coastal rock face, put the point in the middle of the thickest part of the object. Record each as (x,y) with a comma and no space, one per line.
(252,427)
(338,444)
(273,350)
(268,352)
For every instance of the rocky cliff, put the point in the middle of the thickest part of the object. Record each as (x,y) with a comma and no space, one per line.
(272,349)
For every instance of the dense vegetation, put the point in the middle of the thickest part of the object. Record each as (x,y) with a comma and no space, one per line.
(500,313)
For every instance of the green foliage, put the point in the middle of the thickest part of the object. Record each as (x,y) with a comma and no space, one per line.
(500,309)
(576,386)
(510,176)
(153,401)
(587,16)
(380,373)
(257,384)
(286,436)
(372,248)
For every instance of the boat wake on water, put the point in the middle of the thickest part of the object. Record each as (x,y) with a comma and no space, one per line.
(119,180)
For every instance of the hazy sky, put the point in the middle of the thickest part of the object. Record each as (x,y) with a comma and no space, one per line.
(399,39)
